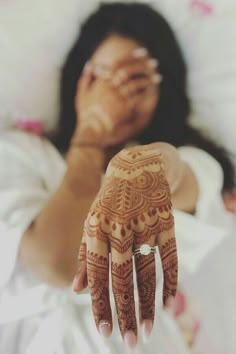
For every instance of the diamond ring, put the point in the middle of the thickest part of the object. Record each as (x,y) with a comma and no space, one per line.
(144,249)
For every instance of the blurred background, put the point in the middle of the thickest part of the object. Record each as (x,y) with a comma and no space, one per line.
(35,38)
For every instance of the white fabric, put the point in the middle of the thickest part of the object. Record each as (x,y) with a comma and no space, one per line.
(34,41)
(35,318)
(208,44)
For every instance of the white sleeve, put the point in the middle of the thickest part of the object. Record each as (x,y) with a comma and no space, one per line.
(199,234)
(24,191)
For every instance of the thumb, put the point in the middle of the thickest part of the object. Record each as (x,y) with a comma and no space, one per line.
(80,281)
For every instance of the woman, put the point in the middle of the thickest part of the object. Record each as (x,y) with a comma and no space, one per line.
(120,84)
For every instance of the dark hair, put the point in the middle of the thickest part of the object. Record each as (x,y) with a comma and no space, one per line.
(170,120)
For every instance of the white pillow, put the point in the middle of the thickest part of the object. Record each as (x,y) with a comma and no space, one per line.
(207,34)
(34,40)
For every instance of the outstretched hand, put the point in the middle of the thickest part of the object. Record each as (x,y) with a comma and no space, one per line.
(132,208)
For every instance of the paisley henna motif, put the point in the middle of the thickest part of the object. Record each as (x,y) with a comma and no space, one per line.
(133,207)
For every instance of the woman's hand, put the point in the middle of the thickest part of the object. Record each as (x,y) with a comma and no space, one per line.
(132,208)
(116,104)
(102,110)
(136,71)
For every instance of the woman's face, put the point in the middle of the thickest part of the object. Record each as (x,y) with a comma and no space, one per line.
(111,50)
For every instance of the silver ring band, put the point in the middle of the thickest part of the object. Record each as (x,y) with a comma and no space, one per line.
(144,249)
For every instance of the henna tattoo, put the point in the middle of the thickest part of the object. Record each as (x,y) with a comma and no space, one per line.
(170,268)
(98,282)
(146,281)
(123,290)
(132,207)
(82,252)
(137,201)
(80,281)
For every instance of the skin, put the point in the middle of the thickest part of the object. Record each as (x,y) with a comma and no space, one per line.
(125,106)
(133,207)
(107,225)
(111,110)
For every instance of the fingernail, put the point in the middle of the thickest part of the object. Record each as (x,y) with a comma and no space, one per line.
(153,63)
(140,52)
(157,78)
(130,339)
(79,284)
(147,326)
(75,282)
(105,329)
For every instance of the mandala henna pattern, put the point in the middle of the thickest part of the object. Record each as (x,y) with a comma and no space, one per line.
(133,207)
(135,196)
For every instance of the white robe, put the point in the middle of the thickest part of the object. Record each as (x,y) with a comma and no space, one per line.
(36,318)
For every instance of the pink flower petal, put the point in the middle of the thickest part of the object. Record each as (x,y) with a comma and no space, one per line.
(31,126)
(201,7)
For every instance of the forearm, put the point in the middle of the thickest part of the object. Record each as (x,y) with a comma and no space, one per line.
(50,246)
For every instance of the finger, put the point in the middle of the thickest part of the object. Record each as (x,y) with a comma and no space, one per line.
(146,282)
(80,281)
(123,291)
(133,100)
(140,68)
(138,85)
(102,72)
(169,259)
(137,54)
(103,119)
(85,80)
(125,68)
(98,274)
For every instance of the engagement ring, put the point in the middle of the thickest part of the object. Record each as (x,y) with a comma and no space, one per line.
(144,250)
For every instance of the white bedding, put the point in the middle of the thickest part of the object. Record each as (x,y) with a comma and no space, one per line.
(34,40)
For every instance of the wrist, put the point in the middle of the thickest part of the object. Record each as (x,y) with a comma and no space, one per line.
(84,170)
(89,157)
(94,126)
(86,133)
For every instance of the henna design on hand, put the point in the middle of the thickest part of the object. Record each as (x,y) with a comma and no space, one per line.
(98,282)
(169,264)
(132,207)
(123,290)
(146,281)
